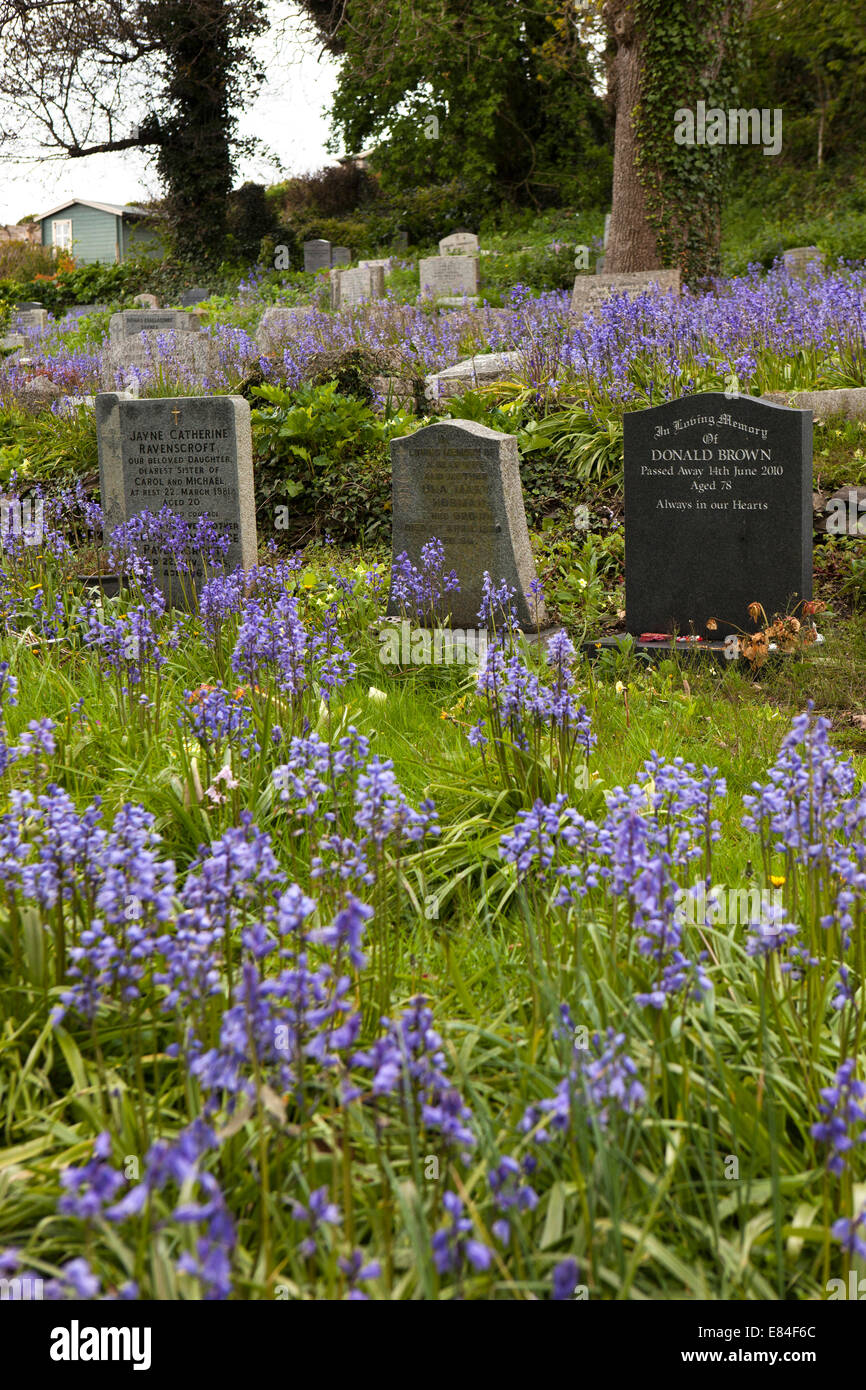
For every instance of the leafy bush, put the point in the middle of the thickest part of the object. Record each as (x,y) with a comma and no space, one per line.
(88,284)
(21,261)
(46,446)
(323,454)
(589,448)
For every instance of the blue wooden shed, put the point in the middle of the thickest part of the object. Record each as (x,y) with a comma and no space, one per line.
(99,232)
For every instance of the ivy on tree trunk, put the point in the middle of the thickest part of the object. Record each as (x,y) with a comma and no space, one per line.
(665,56)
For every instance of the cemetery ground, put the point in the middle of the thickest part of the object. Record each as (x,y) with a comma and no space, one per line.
(325,975)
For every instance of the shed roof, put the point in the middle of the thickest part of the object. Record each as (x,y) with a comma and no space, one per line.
(116,209)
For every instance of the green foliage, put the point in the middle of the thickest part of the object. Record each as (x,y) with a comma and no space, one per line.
(323,454)
(249,219)
(587,447)
(46,446)
(793,206)
(500,96)
(21,261)
(87,284)
(692,50)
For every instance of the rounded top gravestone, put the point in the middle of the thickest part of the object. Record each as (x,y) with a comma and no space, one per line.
(459,482)
(718,513)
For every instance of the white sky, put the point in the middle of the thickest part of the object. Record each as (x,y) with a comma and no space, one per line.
(289,116)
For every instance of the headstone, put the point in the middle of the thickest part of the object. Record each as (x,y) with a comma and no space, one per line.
(459,244)
(146,301)
(31,320)
(78,311)
(166,355)
(26,306)
(351,287)
(39,393)
(11,342)
(472,372)
(460,482)
(401,241)
(131,322)
(190,453)
(277,324)
(718,513)
(449,279)
(317,256)
(341,255)
(592,290)
(384,262)
(194,296)
(849,401)
(799,260)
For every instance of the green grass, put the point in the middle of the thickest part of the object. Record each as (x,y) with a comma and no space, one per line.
(646,1202)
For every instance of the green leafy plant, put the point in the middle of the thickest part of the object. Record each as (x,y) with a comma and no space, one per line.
(325,453)
(588,447)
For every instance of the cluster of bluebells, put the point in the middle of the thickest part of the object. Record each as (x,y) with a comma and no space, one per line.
(523,706)
(812,811)
(274,645)
(35,742)
(407,1062)
(600,1078)
(454,1246)
(421,592)
(169,542)
(318,778)
(131,647)
(219,720)
(511,1193)
(843,1116)
(76,1282)
(652,830)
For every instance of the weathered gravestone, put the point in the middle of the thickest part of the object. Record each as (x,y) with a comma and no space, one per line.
(472,372)
(384,262)
(168,356)
(197,295)
(459,244)
(25,306)
(190,453)
(277,324)
(449,279)
(146,301)
(592,290)
(341,255)
(131,322)
(718,513)
(460,482)
(317,256)
(351,287)
(799,260)
(31,320)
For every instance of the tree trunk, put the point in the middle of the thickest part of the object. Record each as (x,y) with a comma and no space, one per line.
(631,240)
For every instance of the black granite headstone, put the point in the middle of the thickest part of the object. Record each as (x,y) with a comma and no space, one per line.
(718,513)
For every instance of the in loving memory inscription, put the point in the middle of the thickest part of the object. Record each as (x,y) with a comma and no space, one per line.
(718,513)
